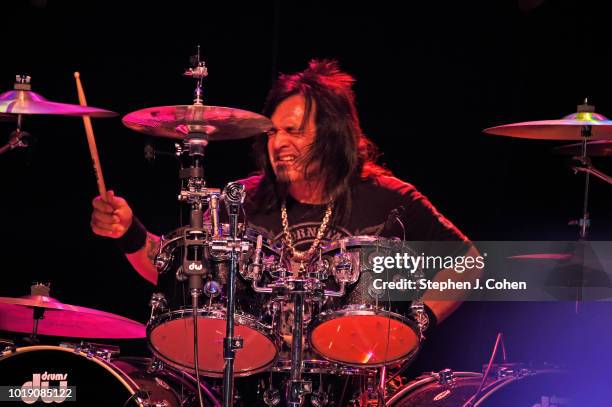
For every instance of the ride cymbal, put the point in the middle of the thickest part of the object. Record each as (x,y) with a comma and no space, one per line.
(567,128)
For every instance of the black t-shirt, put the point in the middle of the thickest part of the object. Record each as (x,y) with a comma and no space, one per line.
(377,205)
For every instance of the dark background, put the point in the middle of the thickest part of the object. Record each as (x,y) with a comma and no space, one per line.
(430,77)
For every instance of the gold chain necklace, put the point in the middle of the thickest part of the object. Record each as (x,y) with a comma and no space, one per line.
(296,254)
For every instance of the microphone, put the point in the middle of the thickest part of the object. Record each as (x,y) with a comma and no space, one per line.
(254,269)
(393,218)
(234,193)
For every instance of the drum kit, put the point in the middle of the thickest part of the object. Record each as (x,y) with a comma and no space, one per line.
(240,326)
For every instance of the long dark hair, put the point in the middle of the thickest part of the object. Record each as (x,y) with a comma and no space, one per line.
(345,154)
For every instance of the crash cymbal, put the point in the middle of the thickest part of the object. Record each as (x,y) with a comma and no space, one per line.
(218,123)
(599,148)
(26,102)
(16,315)
(567,128)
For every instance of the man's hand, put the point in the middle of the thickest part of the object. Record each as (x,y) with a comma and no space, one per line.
(111,217)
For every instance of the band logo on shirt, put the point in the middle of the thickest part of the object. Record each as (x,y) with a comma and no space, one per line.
(303,234)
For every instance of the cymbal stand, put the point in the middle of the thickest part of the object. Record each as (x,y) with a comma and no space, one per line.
(18,138)
(38,313)
(585,222)
(233,196)
(195,241)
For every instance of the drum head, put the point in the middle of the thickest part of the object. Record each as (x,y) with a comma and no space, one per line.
(171,338)
(364,337)
(93,382)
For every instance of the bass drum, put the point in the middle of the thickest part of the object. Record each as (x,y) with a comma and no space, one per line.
(93,381)
(508,387)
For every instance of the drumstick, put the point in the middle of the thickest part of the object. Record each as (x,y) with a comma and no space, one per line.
(91,140)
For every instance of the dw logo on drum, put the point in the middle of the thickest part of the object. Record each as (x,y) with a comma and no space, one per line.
(38,388)
(195,266)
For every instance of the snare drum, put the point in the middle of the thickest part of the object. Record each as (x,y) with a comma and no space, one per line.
(54,374)
(170,329)
(362,329)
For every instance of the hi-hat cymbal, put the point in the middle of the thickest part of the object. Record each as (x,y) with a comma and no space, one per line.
(218,123)
(16,315)
(568,128)
(28,102)
(599,148)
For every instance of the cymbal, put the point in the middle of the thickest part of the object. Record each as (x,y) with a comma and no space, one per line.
(567,128)
(16,315)
(599,148)
(218,123)
(28,102)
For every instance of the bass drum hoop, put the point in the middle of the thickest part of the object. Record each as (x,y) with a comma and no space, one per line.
(240,318)
(422,382)
(363,310)
(487,390)
(119,374)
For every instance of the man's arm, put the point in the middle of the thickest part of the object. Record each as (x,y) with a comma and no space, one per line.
(143,259)
(112,217)
(443,308)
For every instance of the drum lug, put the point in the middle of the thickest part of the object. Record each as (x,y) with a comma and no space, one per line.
(446,377)
(158,304)
(418,310)
(506,370)
(155,365)
(319,398)
(272,397)
(163,260)
(91,350)
(343,267)
(149,403)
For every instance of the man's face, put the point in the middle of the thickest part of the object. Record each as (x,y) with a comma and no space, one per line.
(289,144)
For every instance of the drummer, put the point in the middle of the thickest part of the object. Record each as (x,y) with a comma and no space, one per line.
(317,181)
